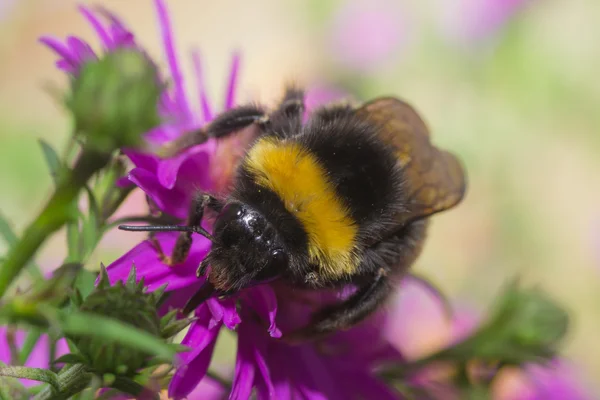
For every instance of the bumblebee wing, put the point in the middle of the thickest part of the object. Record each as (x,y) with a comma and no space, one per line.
(435,179)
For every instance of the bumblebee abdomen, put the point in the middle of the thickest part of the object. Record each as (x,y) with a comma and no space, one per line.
(336,181)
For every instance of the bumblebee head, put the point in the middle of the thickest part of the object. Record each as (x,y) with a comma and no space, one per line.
(247,249)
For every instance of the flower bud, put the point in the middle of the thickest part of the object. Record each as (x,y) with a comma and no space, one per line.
(131,304)
(525,326)
(114,100)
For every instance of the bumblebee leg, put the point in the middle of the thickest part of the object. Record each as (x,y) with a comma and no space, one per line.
(225,124)
(348,313)
(184,240)
(286,119)
(382,264)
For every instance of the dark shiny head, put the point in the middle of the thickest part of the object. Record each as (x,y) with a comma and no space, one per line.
(247,249)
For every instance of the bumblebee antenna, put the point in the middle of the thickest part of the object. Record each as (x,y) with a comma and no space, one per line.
(167,228)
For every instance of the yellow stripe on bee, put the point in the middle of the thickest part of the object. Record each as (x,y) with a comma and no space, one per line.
(300,181)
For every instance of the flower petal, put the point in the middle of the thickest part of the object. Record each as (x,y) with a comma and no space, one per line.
(59,48)
(39,357)
(193,164)
(207,389)
(194,364)
(97,25)
(81,50)
(203,98)
(145,258)
(175,201)
(243,379)
(224,311)
(142,160)
(263,300)
(233,75)
(169,48)
(417,322)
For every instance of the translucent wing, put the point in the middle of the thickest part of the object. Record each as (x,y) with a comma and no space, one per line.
(435,179)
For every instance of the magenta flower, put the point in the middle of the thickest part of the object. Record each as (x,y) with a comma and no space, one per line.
(39,357)
(170,184)
(168,180)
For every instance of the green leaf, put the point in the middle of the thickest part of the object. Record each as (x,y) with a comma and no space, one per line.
(85,282)
(70,358)
(11,239)
(130,386)
(73,243)
(7,232)
(52,159)
(33,336)
(90,230)
(94,325)
(36,374)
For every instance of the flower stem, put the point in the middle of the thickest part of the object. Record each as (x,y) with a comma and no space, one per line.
(55,214)
(71,380)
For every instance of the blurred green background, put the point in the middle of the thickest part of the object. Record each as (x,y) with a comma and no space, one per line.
(511,86)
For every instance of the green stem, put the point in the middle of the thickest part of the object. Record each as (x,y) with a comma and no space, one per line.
(57,212)
(71,380)
(131,387)
(36,374)
(459,353)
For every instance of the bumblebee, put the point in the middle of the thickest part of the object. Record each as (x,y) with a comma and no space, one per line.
(341,198)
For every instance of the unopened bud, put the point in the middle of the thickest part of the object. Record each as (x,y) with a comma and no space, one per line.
(114,100)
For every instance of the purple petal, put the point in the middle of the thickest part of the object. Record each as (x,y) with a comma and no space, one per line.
(556,381)
(197,159)
(120,34)
(82,51)
(267,390)
(207,389)
(145,258)
(263,300)
(59,48)
(416,320)
(163,133)
(313,376)
(177,299)
(194,363)
(97,25)
(233,75)
(39,357)
(203,98)
(243,379)
(169,47)
(364,385)
(224,311)
(142,160)
(65,66)
(123,182)
(216,310)
(174,202)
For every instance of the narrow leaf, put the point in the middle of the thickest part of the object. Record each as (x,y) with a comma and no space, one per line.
(131,387)
(73,246)
(85,282)
(7,232)
(36,374)
(90,230)
(52,159)
(11,239)
(70,358)
(88,324)
(33,336)
(78,323)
